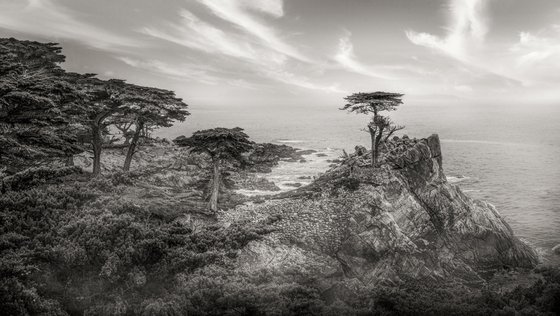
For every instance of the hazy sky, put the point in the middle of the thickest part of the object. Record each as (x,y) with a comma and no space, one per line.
(301,52)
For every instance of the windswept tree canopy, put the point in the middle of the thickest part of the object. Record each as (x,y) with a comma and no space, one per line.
(219,143)
(36,99)
(154,106)
(372,102)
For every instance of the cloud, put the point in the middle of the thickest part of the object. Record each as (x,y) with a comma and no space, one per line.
(261,51)
(537,56)
(194,33)
(50,19)
(175,71)
(464,41)
(300,81)
(346,58)
(467,30)
(463,88)
(533,49)
(238,12)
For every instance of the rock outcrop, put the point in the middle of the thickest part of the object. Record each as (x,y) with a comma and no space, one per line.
(401,220)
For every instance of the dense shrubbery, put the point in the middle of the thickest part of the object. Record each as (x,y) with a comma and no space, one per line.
(542,298)
(77,249)
(63,250)
(34,176)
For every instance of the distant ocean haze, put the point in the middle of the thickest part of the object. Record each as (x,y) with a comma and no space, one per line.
(507,155)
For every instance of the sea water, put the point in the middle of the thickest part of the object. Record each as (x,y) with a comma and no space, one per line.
(504,154)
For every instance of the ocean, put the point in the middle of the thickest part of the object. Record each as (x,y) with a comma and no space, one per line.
(504,154)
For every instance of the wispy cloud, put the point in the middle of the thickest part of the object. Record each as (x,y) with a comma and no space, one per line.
(194,33)
(537,56)
(465,42)
(346,58)
(467,30)
(238,12)
(176,71)
(258,46)
(50,19)
(533,49)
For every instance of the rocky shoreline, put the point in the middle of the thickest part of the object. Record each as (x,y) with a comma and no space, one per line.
(384,225)
(346,242)
(399,220)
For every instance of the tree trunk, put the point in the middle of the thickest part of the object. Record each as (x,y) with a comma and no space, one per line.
(97,144)
(213,204)
(132,146)
(372,135)
(377,142)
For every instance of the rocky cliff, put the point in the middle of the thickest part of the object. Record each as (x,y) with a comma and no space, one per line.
(362,225)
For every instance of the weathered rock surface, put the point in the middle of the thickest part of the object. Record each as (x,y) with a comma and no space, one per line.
(387,224)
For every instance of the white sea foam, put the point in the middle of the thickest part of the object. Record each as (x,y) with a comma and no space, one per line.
(289,141)
(457,179)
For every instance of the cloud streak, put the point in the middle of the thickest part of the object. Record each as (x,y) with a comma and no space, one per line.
(346,58)
(261,51)
(176,71)
(56,21)
(466,31)
(238,13)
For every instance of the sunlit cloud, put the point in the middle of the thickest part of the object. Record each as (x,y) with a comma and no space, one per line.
(49,18)
(238,12)
(275,46)
(465,42)
(537,56)
(466,31)
(194,33)
(260,50)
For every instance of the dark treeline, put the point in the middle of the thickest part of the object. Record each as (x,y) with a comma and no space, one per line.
(48,115)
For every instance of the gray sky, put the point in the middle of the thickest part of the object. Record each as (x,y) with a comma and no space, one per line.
(307,52)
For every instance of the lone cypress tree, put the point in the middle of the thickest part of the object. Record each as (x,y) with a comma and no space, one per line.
(222,145)
(374,103)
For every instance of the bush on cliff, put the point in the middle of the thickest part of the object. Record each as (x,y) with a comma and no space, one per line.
(72,249)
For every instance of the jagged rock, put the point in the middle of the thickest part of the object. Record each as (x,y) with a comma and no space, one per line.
(402,220)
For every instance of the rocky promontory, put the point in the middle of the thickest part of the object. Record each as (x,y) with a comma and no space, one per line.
(400,220)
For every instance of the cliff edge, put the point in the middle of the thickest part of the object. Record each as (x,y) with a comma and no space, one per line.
(401,220)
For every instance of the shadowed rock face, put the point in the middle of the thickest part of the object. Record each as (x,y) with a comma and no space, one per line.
(403,220)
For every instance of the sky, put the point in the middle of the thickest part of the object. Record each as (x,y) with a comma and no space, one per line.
(281,53)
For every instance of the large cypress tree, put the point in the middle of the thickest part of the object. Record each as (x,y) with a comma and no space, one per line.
(380,127)
(37,103)
(151,108)
(221,145)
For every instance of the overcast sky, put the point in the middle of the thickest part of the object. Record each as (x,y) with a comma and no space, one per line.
(301,52)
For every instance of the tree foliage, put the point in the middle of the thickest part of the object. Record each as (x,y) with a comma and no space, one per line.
(152,108)
(372,102)
(221,145)
(36,104)
(380,127)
